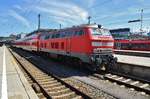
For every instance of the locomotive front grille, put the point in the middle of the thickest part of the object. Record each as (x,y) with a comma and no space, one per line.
(101,51)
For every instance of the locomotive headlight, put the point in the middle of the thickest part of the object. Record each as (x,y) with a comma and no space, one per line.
(92,58)
(96,50)
(102,43)
(110,44)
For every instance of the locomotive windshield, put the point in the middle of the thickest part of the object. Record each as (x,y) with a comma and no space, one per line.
(102,32)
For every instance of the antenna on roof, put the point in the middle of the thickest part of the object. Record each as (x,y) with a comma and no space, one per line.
(99,26)
(89,19)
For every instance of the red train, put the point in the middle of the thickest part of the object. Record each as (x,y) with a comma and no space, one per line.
(90,45)
(140,45)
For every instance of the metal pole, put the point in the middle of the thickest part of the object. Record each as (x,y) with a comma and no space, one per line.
(39,21)
(141,28)
(60,26)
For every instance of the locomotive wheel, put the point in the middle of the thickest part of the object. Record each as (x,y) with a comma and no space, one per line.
(91,67)
(80,64)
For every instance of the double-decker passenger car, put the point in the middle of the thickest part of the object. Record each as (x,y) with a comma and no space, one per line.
(90,45)
(29,43)
(140,45)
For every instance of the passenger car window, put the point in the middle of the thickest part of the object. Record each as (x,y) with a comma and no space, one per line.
(57,35)
(46,37)
(42,37)
(62,34)
(53,35)
(76,33)
(79,33)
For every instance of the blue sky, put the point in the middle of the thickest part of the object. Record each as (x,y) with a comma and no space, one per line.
(21,15)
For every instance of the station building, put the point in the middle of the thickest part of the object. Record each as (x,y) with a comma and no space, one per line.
(121,33)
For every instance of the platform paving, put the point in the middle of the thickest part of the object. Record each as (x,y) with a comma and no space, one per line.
(13,84)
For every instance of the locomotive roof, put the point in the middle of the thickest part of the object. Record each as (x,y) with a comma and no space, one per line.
(81,26)
(53,30)
(41,30)
(86,25)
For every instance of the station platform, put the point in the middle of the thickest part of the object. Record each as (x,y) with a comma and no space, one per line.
(133,60)
(148,52)
(133,53)
(13,84)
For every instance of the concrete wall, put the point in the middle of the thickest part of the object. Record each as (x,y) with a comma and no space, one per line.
(141,72)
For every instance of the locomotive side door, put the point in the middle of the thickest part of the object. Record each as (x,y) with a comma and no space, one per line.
(68,43)
(68,46)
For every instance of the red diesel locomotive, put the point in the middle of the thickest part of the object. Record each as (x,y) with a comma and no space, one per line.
(86,44)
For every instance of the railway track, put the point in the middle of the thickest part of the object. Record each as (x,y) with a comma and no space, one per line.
(139,85)
(129,82)
(47,86)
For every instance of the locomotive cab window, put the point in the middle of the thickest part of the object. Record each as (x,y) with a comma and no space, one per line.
(102,32)
(81,32)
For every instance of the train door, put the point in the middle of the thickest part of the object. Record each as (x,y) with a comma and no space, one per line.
(119,45)
(68,46)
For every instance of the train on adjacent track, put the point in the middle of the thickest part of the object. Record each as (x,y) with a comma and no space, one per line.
(139,45)
(90,45)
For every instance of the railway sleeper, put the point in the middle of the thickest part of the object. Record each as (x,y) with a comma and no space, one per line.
(56,88)
(40,76)
(33,71)
(138,84)
(48,82)
(27,77)
(44,78)
(145,86)
(65,96)
(52,85)
(38,73)
(59,92)
(77,97)
(40,95)
(30,81)
(125,81)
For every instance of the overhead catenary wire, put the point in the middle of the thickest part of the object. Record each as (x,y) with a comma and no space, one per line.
(99,4)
